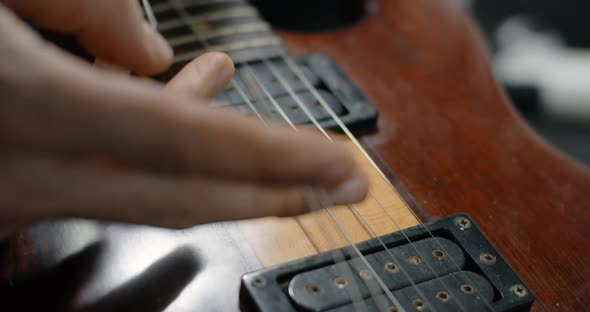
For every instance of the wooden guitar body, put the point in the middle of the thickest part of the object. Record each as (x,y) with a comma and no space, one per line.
(447,138)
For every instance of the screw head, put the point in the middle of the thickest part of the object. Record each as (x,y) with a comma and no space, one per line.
(487,258)
(415,260)
(443,296)
(419,304)
(365,274)
(340,282)
(463,223)
(439,254)
(258,282)
(519,290)
(468,289)
(391,267)
(313,289)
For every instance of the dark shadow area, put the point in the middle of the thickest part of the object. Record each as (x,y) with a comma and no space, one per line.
(55,289)
(311,15)
(155,288)
(52,289)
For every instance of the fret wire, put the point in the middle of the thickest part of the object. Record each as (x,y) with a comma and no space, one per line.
(223,32)
(186,19)
(234,46)
(159,7)
(208,17)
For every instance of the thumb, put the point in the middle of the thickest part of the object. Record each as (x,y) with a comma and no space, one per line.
(112,30)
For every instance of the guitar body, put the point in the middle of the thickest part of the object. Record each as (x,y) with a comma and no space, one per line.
(448,140)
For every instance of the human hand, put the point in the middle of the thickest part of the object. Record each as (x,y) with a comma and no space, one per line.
(81,142)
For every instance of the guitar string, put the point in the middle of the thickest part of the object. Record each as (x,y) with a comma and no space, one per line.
(238,88)
(321,100)
(181,10)
(184,15)
(295,69)
(337,254)
(354,208)
(374,291)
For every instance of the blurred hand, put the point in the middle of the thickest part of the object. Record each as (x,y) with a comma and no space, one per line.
(80,142)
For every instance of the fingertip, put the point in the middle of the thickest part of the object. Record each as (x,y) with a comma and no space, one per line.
(223,66)
(351,191)
(160,53)
(206,76)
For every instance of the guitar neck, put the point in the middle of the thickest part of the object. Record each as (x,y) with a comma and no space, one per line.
(194,27)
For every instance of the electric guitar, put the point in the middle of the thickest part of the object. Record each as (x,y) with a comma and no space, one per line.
(469,210)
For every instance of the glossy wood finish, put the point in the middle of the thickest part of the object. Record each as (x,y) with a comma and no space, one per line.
(447,133)
(452,138)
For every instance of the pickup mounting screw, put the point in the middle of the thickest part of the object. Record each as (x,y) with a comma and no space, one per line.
(391,267)
(392,309)
(340,282)
(519,290)
(463,223)
(439,254)
(443,296)
(365,274)
(313,289)
(258,282)
(415,260)
(467,289)
(487,258)
(419,304)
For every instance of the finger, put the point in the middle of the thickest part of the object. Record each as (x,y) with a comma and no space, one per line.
(204,77)
(112,30)
(42,187)
(81,111)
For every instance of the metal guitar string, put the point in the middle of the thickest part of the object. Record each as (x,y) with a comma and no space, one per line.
(322,200)
(149,13)
(308,85)
(295,69)
(337,255)
(353,207)
(184,15)
(181,10)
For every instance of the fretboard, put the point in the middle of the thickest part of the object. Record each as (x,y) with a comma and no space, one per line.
(193,27)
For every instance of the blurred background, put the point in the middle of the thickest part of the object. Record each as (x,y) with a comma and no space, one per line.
(541,55)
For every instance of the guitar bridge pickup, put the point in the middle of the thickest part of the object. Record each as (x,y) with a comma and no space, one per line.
(446,265)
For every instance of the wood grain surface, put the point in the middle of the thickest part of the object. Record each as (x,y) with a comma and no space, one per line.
(453,139)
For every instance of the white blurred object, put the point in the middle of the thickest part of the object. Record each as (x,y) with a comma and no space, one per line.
(539,59)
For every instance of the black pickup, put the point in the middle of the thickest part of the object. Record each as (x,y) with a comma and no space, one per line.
(446,265)
(343,96)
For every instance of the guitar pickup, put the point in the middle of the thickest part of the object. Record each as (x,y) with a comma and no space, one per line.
(446,265)
(334,87)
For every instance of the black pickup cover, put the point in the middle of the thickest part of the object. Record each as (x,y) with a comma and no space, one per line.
(345,99)
(456,269)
